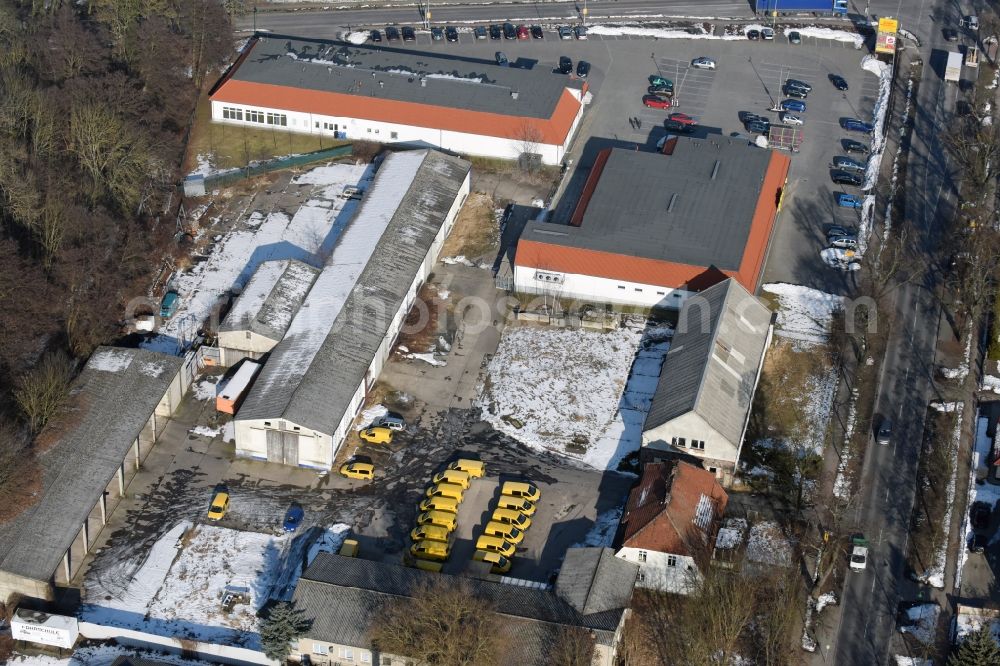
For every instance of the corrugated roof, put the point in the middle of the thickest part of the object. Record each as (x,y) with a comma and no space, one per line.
(343,595)
(668,504)
(114,396)
(398,85)
(313,372)
(271,298)
(713,360)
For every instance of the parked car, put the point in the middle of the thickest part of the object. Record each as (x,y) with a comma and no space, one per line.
(580,31)
(509,31)
(703,63)
(565,32)
(797,93)
(844,242)
(582,69)
(854,125)
(979,515)
(375,36)
(523,32)
(835,231)
(854,147)
(168,306)
(791,119)
(659,92)
(849,200)
(767,34)
(377,435)
(660,82)
(480,32)
(798,83)
(839,82)
(565,65)
(750,116)
(293,517)
(757,127)
(949,34)
(522,490)
(793,105)
(475,468)
(392,33)
(753,35)
(845,178)
(409,34)
(358,470)
(220,503)
(495,32)
(451,33)
(847,164)
(536,32)
(682,118)
(677,127)
(655,102)
(437,34)
(501,58)
(794,38)
(884,435)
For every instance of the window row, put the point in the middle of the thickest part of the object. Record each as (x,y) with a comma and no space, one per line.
(682,442)
(345,653)
(671,559)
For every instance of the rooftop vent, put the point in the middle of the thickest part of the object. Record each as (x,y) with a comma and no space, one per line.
(673,200)
(423,82)
(715,170)
(381,84)
(329,70)
(513,94)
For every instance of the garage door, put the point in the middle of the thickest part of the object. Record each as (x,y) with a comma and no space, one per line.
(283,447)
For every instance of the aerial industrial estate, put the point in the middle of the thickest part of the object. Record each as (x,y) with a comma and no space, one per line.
(663,333)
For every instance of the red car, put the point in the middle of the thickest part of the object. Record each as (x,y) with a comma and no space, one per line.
(654,102)
(522,32)
(683,118)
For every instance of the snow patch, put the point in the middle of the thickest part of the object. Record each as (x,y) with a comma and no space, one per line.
(370,416)
(656,33)
(934,575)
(428,358)
(923,620)
(829,33)
(356,37)
(205,431)
(767,545)
(602,533)
(110,360)
(804,313)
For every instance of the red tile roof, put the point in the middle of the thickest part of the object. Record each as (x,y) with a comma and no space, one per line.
(661,510)
(552,131)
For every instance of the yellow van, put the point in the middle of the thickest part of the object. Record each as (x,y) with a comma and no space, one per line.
(456,476)
(219,506)
(431,550)
(430,532)
(439,504)
(377,435)
(446,490)
(520,489)
(500,563)
(505,531)
(512,517)
(442,518)
(350,548)
(495,545)
(516,504)
(475,468)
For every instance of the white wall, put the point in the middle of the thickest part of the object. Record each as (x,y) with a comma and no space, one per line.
(355,129)
(315,448)
(235,345)
(656,572)
(211,652)
(593,289)
(719,452)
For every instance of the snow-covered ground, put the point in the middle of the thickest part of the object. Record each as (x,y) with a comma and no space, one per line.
(829,33)
(923,620)
(934,575)
(656,33)
(563,390)
(603,531)
(981,489)
(180,588)
(766,544)
(894,182)
(842,482)
(102,655)
(884,73)
(973,620)
(902,660)
(309,235)
(803,313)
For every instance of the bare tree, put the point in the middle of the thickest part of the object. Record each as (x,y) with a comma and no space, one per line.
(42,390)
(574,647)
(778,617)
(527,138)
(441,624)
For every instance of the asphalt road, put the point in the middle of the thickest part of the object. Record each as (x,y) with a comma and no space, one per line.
(871,599)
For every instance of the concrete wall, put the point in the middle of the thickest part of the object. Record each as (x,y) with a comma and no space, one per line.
(236,345)
(591,289)
(719,452)
(12,585)
(657,573)
(211,652)
(355,129)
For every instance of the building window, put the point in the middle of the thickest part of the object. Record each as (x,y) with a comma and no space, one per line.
(661,293)
(393,135)
(622,287)
(267,424)
(713,470)
(641,577)
(230,113)
(679,441)
(317,124)
(248,335)
(366,657)
(638,289)
(369,130)
(319,648)
(671,560)
(376,131)
(277,119)
(347,653)
(255,116)
(386,661)
(642,556)
(698,444)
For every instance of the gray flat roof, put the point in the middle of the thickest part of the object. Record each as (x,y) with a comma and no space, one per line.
(670,207)
(271,298)
(114,397)
(394,73)
(313,373)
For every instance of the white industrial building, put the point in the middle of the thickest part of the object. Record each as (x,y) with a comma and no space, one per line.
(261,315)
(396,96)
(315,380)
(702,402)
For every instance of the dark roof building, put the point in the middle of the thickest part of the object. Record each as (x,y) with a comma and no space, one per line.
(660,220)
(343,596)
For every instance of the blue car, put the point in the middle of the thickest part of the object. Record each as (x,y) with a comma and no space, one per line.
(293,517)
(854,125)
(849,201)
(793,105)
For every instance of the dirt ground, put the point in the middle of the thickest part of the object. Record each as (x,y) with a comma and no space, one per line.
(476,234)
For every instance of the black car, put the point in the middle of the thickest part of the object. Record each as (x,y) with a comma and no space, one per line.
(437,34)
(758,127)
(979,515)
(660,91)
(376,36)
(677,126)
(509,31)
(502,59)
(536,32)
(479,31)
(582,69)
(495,32)
(451,34)
(845,178)
(838,82)
(747,116)
(950,34)
(795,83)
(409,34)
(565,65)
(796,93)
(753,35)
(854,147)
(392,34)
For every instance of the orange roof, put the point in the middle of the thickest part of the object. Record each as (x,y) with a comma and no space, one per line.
(553,130)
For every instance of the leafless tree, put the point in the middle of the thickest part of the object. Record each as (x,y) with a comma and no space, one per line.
(779,617)
(42,390)
(574,647)
(527,138)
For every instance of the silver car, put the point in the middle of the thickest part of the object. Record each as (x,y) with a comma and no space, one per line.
(847,164)
(703,63)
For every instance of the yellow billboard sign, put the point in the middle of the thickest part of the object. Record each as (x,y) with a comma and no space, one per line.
(885,42)
(888,25)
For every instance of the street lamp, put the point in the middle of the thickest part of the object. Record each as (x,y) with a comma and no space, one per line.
(585,13)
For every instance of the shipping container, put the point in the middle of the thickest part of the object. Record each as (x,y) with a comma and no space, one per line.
(229,398)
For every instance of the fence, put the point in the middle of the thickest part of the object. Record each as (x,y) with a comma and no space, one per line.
(225,654)
(197,185)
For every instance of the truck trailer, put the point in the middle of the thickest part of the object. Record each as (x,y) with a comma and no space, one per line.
(814,7)
(953,70)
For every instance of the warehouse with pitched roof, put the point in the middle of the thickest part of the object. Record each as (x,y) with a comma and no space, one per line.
(399,96)
(315,380)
